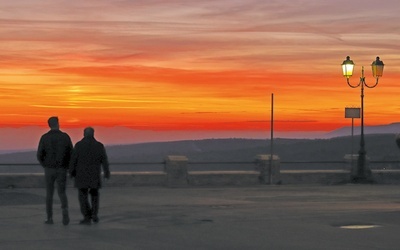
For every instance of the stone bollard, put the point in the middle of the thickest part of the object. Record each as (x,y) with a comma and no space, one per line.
(176,169)
(265,167)
(351,161)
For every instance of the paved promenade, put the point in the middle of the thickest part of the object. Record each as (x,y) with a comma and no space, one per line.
(258,217)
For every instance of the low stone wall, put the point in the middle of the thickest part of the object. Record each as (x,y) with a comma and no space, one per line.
(224,178)
(209,178)
(131,179)
(22,180)
(386,176)
(267,171)
(324,177)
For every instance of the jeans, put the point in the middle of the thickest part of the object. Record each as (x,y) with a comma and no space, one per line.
(58,175)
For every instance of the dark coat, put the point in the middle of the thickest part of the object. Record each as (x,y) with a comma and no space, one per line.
(87,158)
(54,150)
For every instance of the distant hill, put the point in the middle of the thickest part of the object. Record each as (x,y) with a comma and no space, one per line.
(380,147)
(393,128)
(26,138)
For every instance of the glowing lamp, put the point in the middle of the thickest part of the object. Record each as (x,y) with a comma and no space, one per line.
(377,67)
(347,67)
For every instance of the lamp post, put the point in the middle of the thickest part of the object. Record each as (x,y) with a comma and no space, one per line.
(362,174)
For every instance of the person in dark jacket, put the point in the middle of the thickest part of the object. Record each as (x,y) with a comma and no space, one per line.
(54,153)
(87,158)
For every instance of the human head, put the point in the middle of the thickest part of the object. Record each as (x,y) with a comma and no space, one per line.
(88,132)
(53,122)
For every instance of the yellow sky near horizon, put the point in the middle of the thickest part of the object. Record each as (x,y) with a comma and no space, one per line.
(190,65)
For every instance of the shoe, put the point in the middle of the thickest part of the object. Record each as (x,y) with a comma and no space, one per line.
(65,219)
(85,222)
(95,219)
(49,221)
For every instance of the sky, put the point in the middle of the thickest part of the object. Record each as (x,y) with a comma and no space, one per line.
(183,65)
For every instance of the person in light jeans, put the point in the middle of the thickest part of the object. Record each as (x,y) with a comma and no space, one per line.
(54,154)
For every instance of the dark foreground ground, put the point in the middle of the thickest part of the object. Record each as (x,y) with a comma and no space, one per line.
(262,217)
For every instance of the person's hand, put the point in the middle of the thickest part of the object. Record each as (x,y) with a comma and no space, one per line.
(107,175)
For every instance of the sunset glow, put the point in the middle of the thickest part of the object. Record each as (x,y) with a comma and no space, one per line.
(196,65)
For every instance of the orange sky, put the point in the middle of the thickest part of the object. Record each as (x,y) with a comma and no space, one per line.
(195,65)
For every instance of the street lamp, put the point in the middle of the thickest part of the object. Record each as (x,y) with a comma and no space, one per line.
(362,174)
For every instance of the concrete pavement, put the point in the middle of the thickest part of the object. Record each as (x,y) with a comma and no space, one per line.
(256,217)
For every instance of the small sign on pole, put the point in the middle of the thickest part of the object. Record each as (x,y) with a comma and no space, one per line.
(352,113)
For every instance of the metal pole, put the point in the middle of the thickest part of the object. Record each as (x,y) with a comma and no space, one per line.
(272,139)
(352,142)
(361,176)
(352,135)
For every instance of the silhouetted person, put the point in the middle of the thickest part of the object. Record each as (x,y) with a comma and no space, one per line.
(87,158)
(398,140)
(54,153)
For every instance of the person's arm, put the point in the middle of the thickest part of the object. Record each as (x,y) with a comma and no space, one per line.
(73,162)
(105,164)
(41,153)
(68,149)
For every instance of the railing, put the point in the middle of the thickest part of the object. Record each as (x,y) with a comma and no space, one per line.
(336,165)
(178,171)
(210,166)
